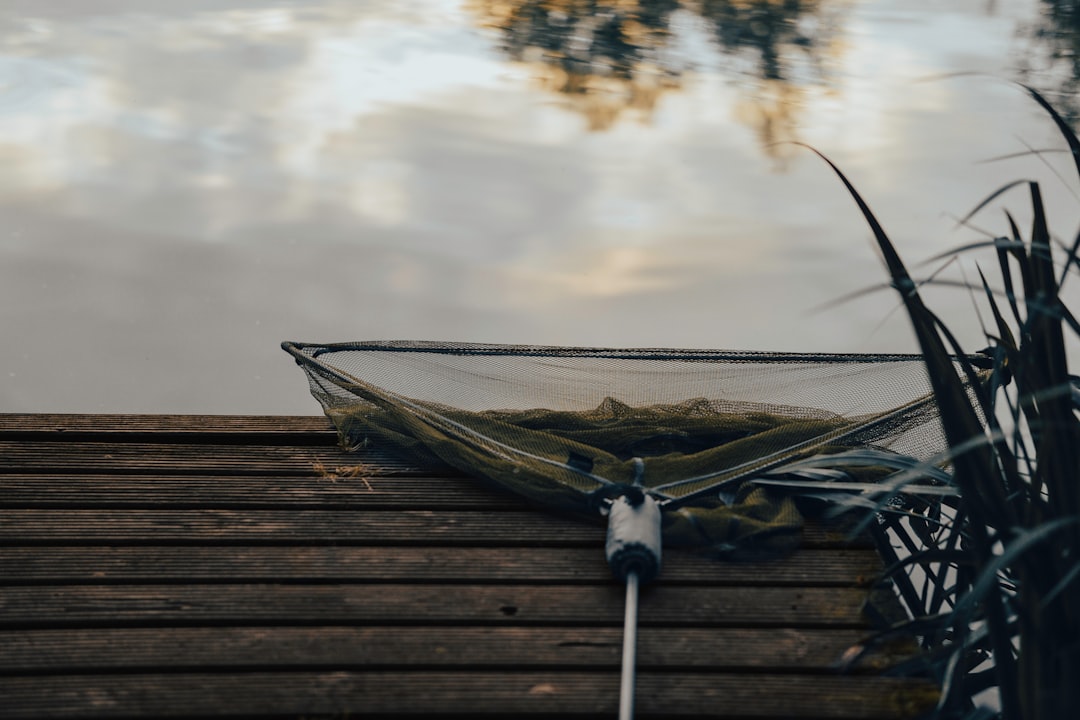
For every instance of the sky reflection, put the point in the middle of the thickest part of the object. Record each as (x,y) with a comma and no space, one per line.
(185,185)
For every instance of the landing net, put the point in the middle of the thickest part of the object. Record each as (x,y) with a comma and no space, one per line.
(571,428)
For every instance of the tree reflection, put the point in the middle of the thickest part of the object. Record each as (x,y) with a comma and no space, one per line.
(785,45)
(608,55)
(613,57)
(772,28)
(1055,67)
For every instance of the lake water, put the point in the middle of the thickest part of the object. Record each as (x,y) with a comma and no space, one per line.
(183,185)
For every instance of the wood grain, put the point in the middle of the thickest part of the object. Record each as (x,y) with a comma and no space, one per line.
(404,647)
(417,603)
(231,566)
(344,693)
(176,564)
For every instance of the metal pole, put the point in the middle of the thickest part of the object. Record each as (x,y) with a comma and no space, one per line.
(629,649)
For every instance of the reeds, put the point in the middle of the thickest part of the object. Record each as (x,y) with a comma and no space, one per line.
(995,592)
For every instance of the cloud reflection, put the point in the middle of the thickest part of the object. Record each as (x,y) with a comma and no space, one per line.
(194,182)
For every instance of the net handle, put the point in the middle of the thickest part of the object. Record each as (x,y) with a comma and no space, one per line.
(629,651)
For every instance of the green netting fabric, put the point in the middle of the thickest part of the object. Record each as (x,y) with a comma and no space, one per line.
(570,428)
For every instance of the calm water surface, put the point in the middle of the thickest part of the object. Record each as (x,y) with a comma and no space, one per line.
(185,184)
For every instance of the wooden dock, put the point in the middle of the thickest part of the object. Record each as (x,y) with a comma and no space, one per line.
(211,567)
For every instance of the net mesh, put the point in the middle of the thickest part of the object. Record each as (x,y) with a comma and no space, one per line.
(570,428)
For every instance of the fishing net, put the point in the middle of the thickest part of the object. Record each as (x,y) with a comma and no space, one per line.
(573,428)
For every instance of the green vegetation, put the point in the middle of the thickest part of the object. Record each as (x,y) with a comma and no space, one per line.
(995,590)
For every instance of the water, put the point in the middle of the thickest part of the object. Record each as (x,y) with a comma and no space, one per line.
(185,185)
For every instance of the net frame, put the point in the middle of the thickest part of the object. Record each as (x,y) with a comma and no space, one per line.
(435,394)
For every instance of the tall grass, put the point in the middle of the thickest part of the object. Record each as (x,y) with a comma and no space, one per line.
(997,596)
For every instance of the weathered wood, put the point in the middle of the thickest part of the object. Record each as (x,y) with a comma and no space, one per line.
(284,694)
(333,488)
(214,566)
(72,606)
(403,527)
(344,647)
(38,565)
(505,528)
(192,426)
(191,458)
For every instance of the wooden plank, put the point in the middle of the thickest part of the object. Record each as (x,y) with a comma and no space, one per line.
(39,565)
(57,424)
(336,489)
(504,528)
(343,693)
(200,458)
(403,527)
(160,493)
(191,604)
(333,487)
(343,647)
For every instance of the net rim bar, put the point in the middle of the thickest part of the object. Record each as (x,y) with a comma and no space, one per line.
(298,349)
